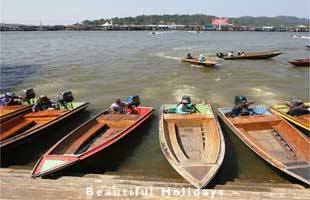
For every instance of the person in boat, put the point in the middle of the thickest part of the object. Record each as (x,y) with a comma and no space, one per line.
(189,56)
(9,99)
(242,107)
(185,106)
(239,53)
(230,54)
(119,107)
(43,103)
(298,108)
(220,55)
(202,58)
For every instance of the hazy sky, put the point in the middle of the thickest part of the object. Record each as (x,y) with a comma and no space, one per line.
(72,11)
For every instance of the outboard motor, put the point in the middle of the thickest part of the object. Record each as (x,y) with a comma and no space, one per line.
(65,98)
(28,95)
(133,100)
(220,55)
(186,98)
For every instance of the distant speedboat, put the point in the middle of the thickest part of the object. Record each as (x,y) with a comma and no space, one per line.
(301,62)
(300,36)
(249,55)
(195,61)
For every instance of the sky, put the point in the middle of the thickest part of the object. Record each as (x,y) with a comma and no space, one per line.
(72,11)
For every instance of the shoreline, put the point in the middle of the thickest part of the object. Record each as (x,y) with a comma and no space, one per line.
(156,31)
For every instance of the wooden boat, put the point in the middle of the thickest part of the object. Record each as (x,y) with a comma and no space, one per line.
(273,139)
(23,126)
(194,61)
(93,136)
(253,55)
(192,143)
(8,112)
(301,62)
(302,121)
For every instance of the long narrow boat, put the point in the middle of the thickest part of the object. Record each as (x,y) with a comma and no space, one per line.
(302,121)
(273,139)
(195,61)
(301,62)
(192,143)
(253,55)
(27,125)
(8,112)
(90,138)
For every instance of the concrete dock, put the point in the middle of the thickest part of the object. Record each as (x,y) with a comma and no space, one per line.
(17,184)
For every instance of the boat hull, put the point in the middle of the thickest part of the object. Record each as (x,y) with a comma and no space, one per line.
(302,121)
(89,139)
(8,112)
(254,56)
(303,62)
(273,139)
(193,144)
(194,61)
(20,128)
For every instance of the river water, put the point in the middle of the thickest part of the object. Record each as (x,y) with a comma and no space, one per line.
(101,66)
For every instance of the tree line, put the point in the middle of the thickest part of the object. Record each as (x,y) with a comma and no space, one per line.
(200,20)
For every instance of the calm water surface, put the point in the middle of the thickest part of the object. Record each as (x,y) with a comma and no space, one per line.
(100,66)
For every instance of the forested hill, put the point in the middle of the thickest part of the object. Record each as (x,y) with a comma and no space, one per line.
(200,19)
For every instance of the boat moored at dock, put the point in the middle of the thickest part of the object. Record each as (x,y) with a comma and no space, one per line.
(273,139)
(302,121)
(26,125)
(90,138)
(8,112)
(192,143)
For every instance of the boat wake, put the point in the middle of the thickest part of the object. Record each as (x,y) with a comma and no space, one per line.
(197,66)
(301,37)
(187,48)
(264,94)
(195,32)
(185,90)
(162,55)
(160,33)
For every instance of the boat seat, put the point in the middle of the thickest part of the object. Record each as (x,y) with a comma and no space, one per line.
(81,140)
(45,113)
(182,116)
(23,125)
(110,133)
(254,119)
(118,117)
(13,107)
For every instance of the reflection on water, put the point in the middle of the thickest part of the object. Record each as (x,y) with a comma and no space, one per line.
(100,66)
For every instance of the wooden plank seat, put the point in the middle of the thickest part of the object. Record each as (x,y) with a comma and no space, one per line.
(254,119)
(82,139)
(118,117)
(13,107)
(23,125)
(45,113)
(110,133)
(191,116)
